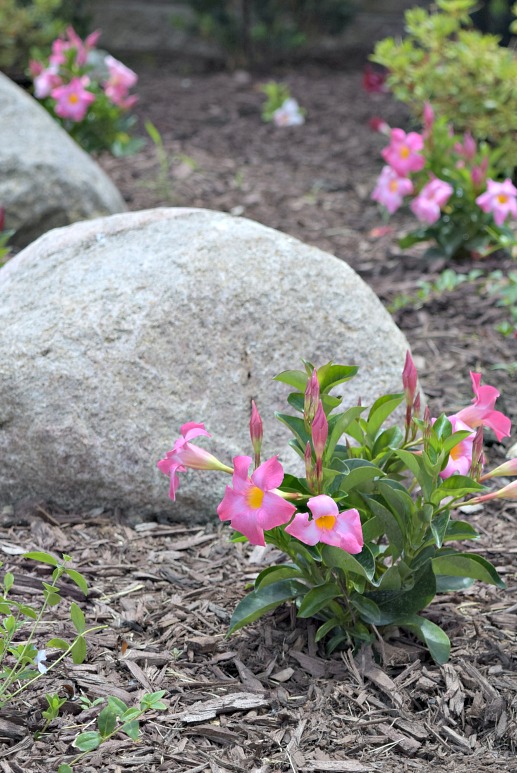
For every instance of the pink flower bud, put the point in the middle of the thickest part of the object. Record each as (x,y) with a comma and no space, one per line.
(469,146)
(256,432)
(320,431)
(507,492)
(409,379)
(507,469)
(428,117)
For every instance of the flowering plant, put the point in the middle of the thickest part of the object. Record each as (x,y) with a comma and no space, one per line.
(87,92)
(280,107)
(367,528)
(449,177)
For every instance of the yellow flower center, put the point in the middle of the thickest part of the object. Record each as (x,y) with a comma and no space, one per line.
(73,98)
(502,198)
(326,522)
(404,151)
(456,452)
(393,186)
(254,497)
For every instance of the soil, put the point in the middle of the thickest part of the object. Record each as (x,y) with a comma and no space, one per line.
(269,698)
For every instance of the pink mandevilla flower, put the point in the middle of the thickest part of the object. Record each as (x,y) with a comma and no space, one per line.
(343,530)
(45,81)
(403,152)
(500,199)
(481,412)
(433,196)
(252,506)
(72,99)
(460,458)
(184,454)
(391,189)
(120,80)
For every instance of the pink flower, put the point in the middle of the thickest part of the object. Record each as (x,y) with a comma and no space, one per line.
(433,196)
(409,379)
(45,81)
(289,114)
(72,41)
(391,189)
(72,99)
(478,173)
(184,454)
(379,125)
(328,525)
(428,119)
(252,506)
(374,82)
(256,432)
(500,199)
(320,431)
(120,80)
(507,469)
(460,458)
(403,152)
(507,492)
(481,412)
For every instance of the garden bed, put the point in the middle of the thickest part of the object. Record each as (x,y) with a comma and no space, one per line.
(269,699)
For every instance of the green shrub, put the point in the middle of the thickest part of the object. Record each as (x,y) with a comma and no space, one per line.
(469,79)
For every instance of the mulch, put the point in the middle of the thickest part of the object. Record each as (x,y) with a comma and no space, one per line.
(269,698)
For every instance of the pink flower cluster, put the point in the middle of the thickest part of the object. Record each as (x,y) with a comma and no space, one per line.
(66,78)
(406,155)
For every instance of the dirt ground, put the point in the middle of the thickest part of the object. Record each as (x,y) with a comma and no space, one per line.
(269,699)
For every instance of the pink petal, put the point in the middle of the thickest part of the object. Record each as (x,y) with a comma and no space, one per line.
(240,479)
(246,523)
(349,531)
(269,475)
(231,505)
(274,511)
(190,430)
(322,505)
(303,529)
(499,423)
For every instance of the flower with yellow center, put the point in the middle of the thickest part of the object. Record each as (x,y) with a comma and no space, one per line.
(328,525)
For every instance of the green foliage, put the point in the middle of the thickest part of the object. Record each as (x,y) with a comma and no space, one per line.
(26,28)
(5,235)
(469,79)
(255,30)
(276,95)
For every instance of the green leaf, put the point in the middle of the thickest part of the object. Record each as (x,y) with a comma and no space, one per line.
(297,427)
(324,629)
(362,563)
(318,598)
(78,650)
(133,713)
(44,558)
(58,644)
(455,486)
(390,525)
(446,584)
(117,706)
(8,581)
(106,722)
(436,640)
(397,604)
(259,602)
(87,742)
(27,611)
(391,579)
(132,729)
(337,426)
(357,472)
(454,439)
(442,428)
(273,573)
(391,438)
(439,527)
(380,410)
(153,700)
(367,608)
(330,375)
(77,616)
(398,500)
(460,530)
(65,769)
(78,579)
(467,565)
(373,528)
(295,378)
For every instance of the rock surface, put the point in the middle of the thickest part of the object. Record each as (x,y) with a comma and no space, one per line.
(117,331)
(47,180)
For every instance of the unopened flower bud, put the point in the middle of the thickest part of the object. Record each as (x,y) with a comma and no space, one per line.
(320,431)
(508,469)
(256,432)
(312,398)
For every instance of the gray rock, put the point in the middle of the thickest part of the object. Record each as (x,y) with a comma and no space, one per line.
(117,331)
(47,180)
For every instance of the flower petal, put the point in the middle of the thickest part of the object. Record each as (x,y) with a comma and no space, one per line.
(274,511)
(322,505)
(303,529)
(269,475)
(240,479)
(190,430)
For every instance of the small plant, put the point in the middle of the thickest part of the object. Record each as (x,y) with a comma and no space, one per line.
(5,235)
(367,529)
(462,209)
(446,282)
(22,663)
(280,107)
(469,79)
(87,92)
(114,718)
(504,287)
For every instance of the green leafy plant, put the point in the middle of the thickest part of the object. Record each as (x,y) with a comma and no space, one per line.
(114,718)
(87,92)
(255,30)
(469,79)
(447,281)
(367,530)
(21,662)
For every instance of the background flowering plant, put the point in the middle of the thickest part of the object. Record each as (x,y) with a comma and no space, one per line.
(280,107)
(448,182)
(87,92)
(367,529)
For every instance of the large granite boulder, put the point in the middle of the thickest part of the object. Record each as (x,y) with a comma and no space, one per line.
(46,179)
(117,331)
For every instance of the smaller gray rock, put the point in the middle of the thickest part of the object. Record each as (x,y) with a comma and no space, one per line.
(47,180)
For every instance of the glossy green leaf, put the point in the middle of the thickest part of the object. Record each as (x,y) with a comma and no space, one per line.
(77,617)
(87,742)
(78,651)
(373,528)
(132,729)
(442,428)
(274,573)
(318,598)
(294,378)
(467,565)
(439,527)
(358,474)
(367,608)
(396,604)
(132,713)
(78,579)
(106,721)
(259,602)
(390,524)
(64,769)
(330,375)
(58,644)
(380,410)
(390,438)
(326,628)
(391,579)
(44,558)
(398,500)
(455,486)
(361,563)
(297,427)
(446,584)
(460,530)
(117,706)
(454,439)
(338,425)
(436,640)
